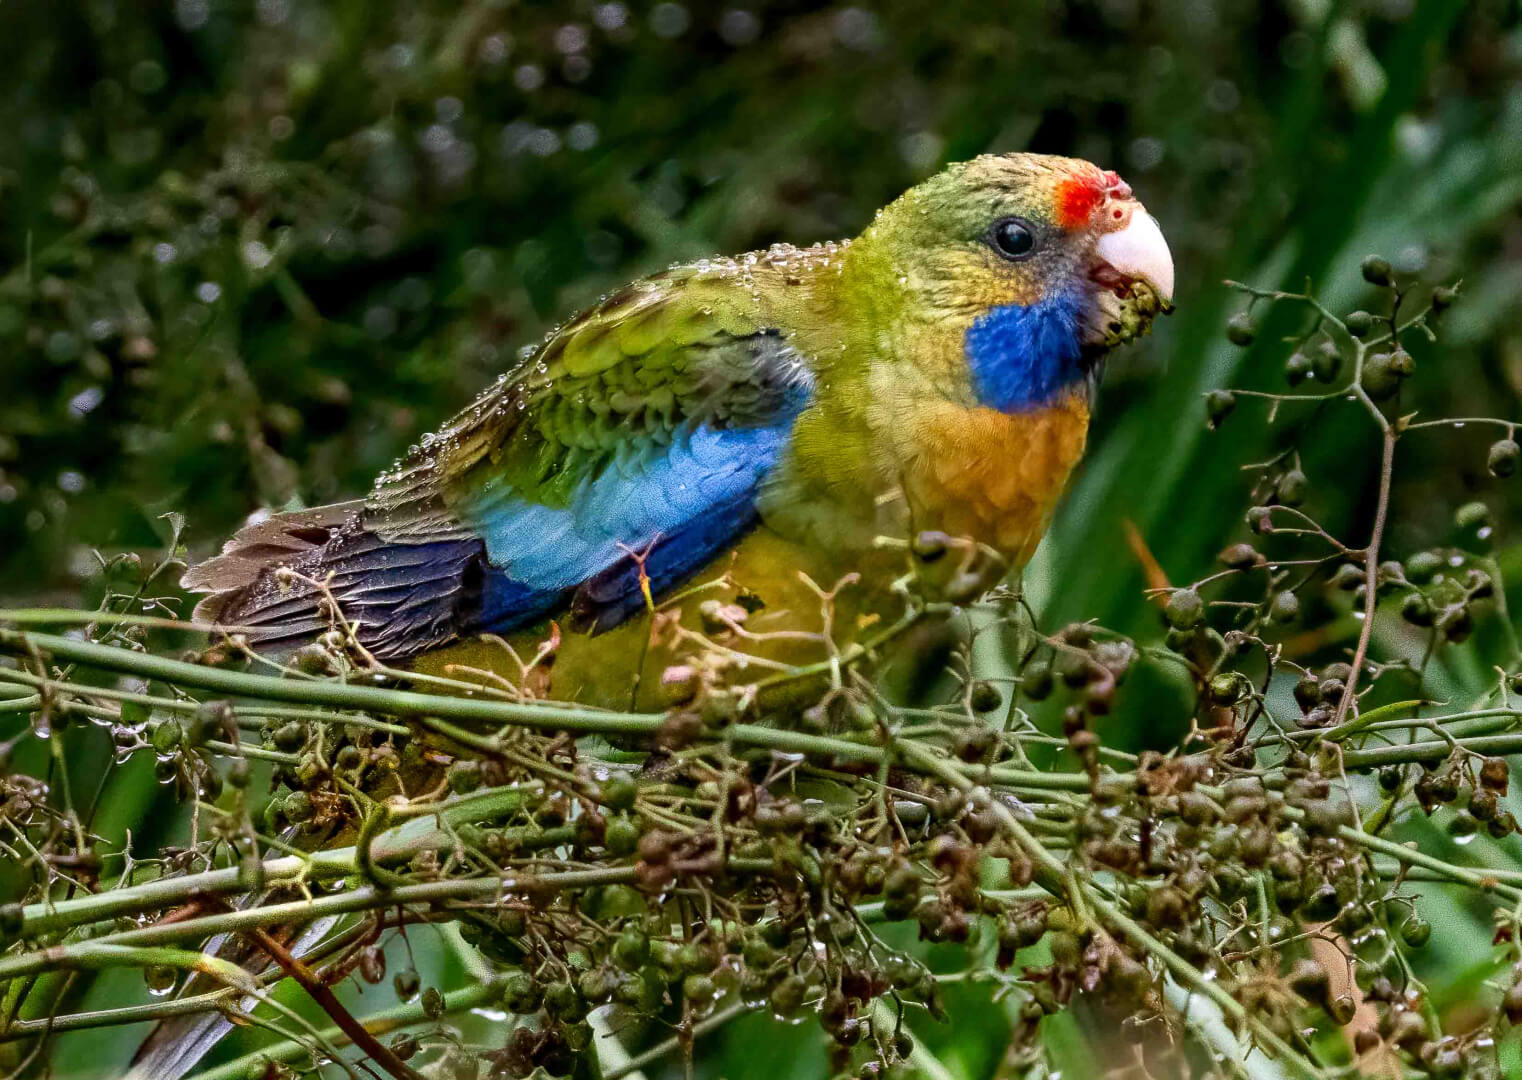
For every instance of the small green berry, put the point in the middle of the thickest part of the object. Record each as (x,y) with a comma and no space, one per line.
(405,1046)
(631,948)
(1502,459)
(290,737)
(1376,270)
(1036,680)
(1285,607)
(619,793)
(160,978)
(597,985)
(699,989)
(1422,567)
(1348,577)
(621,835)
(1380,380)
(985,696)
(1462,825)
(1218,406)
(1291,488)
(1185,610)
(297,806)
(1472,515)
(787,996)
(521,993)
(1473,525)
(1416,931)
(166,736)
(1327,363)
(561,999)
(1226,688)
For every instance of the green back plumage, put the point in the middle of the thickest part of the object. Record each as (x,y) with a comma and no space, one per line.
(709,343)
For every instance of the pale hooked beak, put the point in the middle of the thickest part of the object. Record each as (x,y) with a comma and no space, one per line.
(1139,252)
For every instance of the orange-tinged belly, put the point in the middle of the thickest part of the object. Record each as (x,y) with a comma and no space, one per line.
(991,476)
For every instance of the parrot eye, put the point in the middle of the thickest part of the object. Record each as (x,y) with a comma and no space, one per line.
(1012,238)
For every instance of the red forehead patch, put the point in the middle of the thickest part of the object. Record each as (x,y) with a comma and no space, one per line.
(1077,199)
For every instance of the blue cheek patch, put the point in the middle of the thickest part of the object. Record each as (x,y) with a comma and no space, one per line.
(1023,357)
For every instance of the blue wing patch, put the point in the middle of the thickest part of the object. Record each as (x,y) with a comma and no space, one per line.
(676,509)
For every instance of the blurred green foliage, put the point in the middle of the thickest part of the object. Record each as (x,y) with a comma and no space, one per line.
(248,251)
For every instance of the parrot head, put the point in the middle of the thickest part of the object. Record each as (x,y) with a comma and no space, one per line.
(1037,265)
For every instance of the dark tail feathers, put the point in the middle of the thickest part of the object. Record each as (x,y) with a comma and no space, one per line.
(405,597)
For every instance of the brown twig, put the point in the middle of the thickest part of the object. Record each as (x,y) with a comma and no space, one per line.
(1371,573)
(378,1052)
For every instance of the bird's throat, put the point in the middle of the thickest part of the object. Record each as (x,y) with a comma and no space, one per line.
(1026,356)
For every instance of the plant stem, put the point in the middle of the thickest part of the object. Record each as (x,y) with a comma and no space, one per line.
(1371,569)
(329,692)
(1432,750)
(377,1051)
(128,1014)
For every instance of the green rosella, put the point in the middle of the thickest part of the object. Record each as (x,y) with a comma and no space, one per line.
(743,419)
(728,427)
